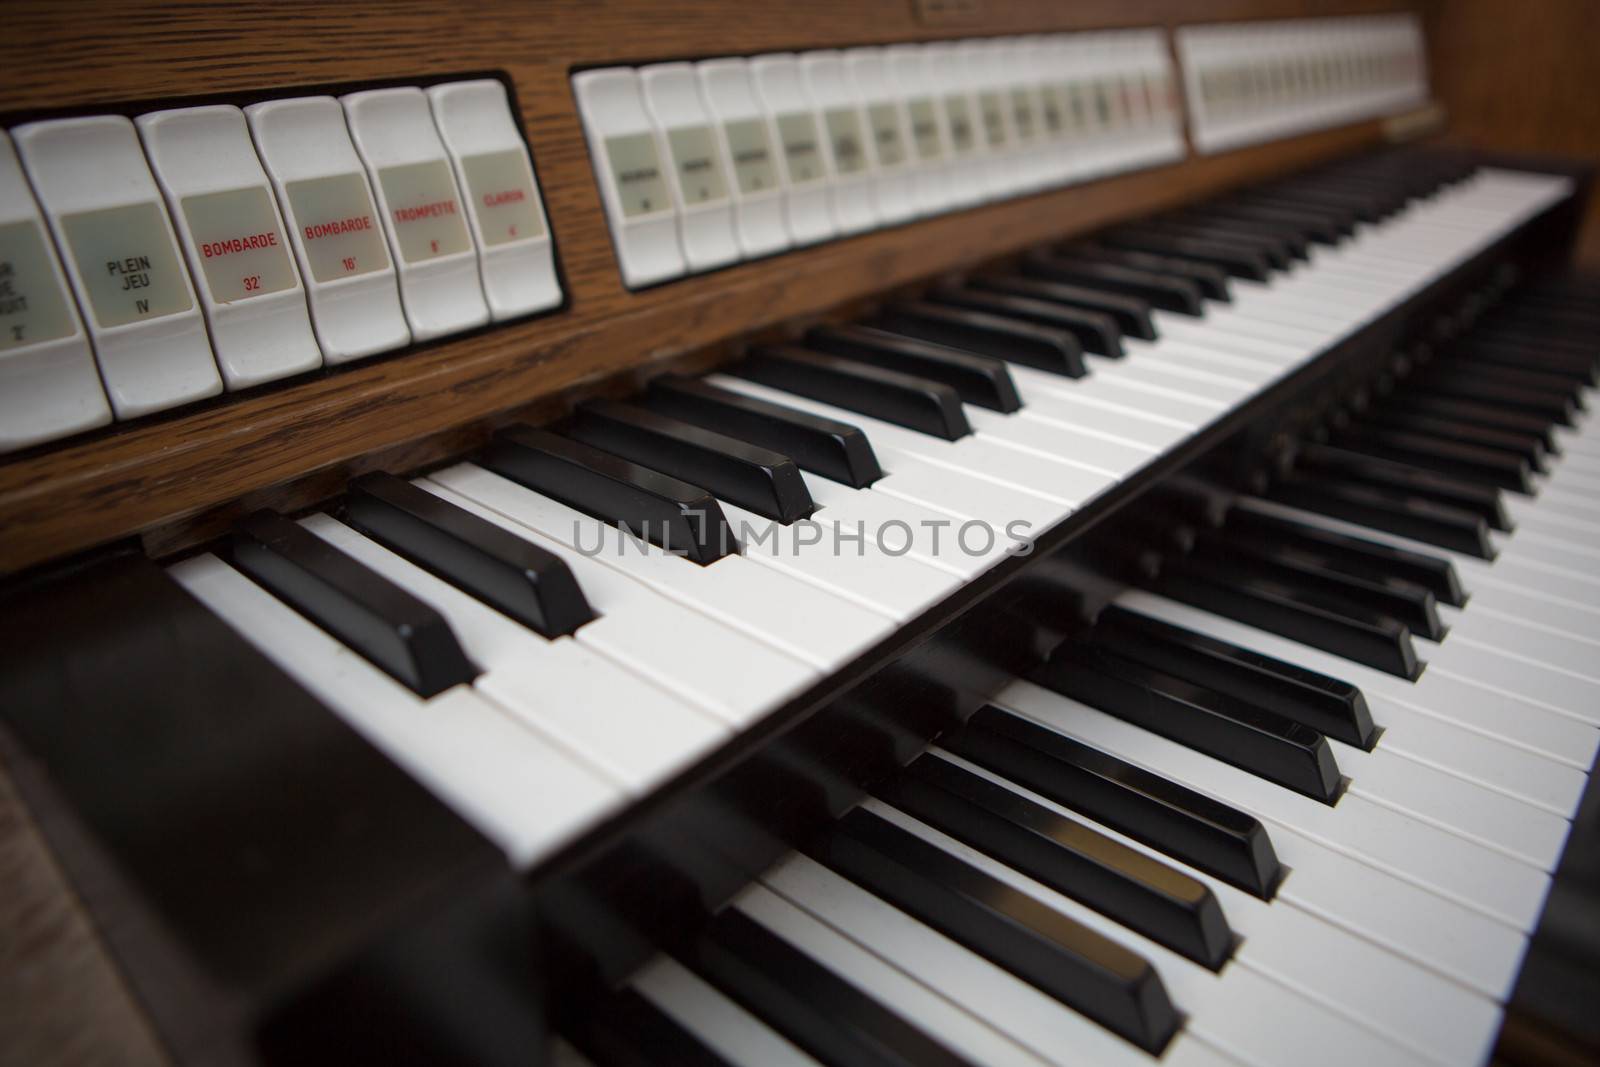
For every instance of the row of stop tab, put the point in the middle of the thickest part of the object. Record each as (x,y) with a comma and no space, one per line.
(152,263)
(704,164)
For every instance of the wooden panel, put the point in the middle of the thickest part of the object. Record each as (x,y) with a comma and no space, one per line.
(1521,78)
(131,479)
(62,999)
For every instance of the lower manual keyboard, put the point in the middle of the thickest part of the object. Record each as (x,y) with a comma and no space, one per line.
(1403,910)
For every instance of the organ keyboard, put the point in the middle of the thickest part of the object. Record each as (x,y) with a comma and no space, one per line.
(1165,641)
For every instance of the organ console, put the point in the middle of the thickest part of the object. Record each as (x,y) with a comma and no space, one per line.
(857,533)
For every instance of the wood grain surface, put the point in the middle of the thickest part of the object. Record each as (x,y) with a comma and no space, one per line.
(1522,78)
(143,478)
(62,1000)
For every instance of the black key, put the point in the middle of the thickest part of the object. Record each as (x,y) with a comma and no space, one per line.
(1237,260)
(1185,825)
(1192,500)
(1313,227)
(1310,571)
(1567,341)
(980,380)
(1342,220)
(1164,291)
(1534,326)
(804,1001)
(397,632)
(1486,466)
(1559,386)
(1482,500)
(1096,332)
(513,575)
(1310,618)
(1373,204)
(1535,346)
(1530,311)
(747,475)
(1124,884)
(833,449)
(653,506)
(1085,971)
(1249,737)
(1250,251)
(271,866)
(1054,350)
(1465,386)
(1529,446)
(1434,573)
(1361,208)
(623,1029)
(1445,407)
(1212,281)
(1282,245)
(1478,349)
(1420,520)
(1326,218)
(1327,705)
(918,404)
(1132,315)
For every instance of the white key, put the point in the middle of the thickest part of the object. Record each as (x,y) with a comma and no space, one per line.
(1557,503)
(1450,866)
(519,791)
(1577,622)
(966,496)
(1234,325)
(1062,399)
(1535,516)
(1268,343)
(1435,796)
(1060,407)
(630,731)
(1511,635)
(1312,317)
(788,615)
(1066,443)
(1241,365)
(1572,441)
(1237,325)
(1505,672)
(720,1024)
(850,557)
(1554,552)
(1305,306)
(850,548)
(1254,371)
(711,665)
(1170,380)
(1126,395)
(877,512)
